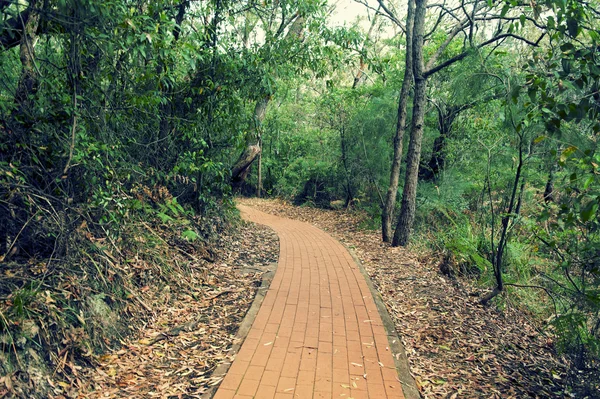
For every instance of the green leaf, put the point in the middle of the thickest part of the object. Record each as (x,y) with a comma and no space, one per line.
(190,235)
(588,182)
(164,217)
(589,211)
(566,65)
(567,152)
(539,139)
(573,27)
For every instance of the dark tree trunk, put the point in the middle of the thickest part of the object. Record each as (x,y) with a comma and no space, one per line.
(167,109)
(549,189)
(409,194)
(28,82)
(437,162)
(344,149)
(390,201)
(512,210)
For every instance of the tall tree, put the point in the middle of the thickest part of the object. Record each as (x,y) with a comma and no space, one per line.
(467,25)
(390,199)
(407,210)
(294,33)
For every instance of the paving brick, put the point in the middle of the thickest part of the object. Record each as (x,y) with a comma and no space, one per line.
(254,373)
(248,387)
(286,384)
(224,394)
(318,330)
(265,392)
(304,390)
(270,378)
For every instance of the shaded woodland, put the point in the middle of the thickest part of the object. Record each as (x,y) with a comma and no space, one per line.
(465,130)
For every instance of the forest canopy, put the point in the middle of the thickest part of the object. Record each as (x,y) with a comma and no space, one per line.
(467,128)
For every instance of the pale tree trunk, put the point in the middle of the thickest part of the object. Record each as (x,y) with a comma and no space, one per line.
(259,172)
(240,170)
(360,76)
(28,82)
(260,110)
(390,201)
(409,194)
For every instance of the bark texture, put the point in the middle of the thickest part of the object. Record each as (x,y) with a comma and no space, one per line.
(260,110)
(240,170)
(28,82)
(437,162)
(390,199)
(409,194)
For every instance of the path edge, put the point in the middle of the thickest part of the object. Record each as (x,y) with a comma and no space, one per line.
(244,328)
(409,385)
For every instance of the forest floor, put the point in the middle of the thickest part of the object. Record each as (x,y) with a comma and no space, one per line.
(456,347)
(190,331)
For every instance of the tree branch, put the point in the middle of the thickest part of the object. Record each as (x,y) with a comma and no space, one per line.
(10,36)
(464,54)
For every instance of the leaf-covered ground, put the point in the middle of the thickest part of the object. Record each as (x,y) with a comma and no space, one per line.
(456,347)
(192,328)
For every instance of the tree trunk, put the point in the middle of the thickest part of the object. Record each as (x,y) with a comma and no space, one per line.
(549,189)
(344,149)
(260,110)
(497,260)
(360,76)
(240,170)
(28,82)
(437,162)
(259,172)
(390,201)
(409,194)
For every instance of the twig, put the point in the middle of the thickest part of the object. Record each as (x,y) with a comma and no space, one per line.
(162,239)
(7,255)
(189,325)
(73,131)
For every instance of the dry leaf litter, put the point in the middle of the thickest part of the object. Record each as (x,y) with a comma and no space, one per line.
(456,347)
(191,330)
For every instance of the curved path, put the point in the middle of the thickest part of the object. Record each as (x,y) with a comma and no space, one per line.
(318,333)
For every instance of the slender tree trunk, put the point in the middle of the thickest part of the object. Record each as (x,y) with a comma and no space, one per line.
(360,76)
(549,189)
(437,162)
(390,201)
(28,82)
(259,172)
(260,110)
(504,233)
(344,148)
(409,194)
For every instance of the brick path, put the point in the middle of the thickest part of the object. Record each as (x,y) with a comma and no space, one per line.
(318,333)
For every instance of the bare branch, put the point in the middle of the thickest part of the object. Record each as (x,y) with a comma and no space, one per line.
(10,36)
(464,54)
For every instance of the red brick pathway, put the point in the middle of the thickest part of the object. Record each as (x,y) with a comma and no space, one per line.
(318,333)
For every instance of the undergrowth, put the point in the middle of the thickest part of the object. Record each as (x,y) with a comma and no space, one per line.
(551,284)
(88,286)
